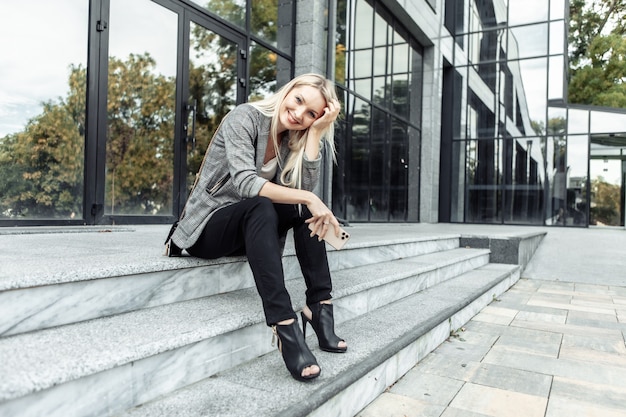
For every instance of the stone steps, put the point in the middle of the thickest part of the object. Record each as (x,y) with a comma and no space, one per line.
(147,335)
(384,344)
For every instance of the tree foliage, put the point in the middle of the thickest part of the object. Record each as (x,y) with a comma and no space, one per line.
(41,168)
(597,53)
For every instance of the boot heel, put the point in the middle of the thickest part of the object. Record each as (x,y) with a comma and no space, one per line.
(323,324)
(304,322)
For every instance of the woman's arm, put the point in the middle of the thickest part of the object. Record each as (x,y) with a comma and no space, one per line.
(314,137)
(322,216)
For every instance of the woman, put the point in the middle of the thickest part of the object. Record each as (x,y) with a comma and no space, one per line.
(255,185)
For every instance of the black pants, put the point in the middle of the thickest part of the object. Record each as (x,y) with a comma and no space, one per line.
(256,227)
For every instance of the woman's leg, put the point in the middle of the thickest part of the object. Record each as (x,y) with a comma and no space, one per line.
(251,227)
(311,253)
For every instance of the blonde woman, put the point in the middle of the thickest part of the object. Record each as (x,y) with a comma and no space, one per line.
(255,185)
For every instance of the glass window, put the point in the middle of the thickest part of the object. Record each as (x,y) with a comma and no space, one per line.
(483,175)
(577,121)
(233,11)
(556,78)
(557,9)
(363,25)
(528,11)
(140,109)
(385,71)
(528,41)
(557,37)
(358,169)
(605,122)
(533,88)
(43,86)
(272,23)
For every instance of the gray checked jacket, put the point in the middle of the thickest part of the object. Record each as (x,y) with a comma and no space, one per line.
(230,172)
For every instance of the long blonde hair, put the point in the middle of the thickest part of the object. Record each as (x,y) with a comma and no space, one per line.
(292,170)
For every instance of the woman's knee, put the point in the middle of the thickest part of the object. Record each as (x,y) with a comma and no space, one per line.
(263,208)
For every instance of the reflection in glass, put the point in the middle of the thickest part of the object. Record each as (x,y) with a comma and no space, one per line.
(399,169)
(605,122)
(272,23)
(233,11)
(379,174)
(556,78)
(557,37)
(557,9)
(577,121)
(606,208)
(363,25)
(483,175)
(141,109)
(42,109)
(212,89)
(535,83)
(531,41)
(358,169)
(527,11)
(263,72)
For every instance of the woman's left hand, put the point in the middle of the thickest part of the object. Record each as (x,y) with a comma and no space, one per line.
(331,111)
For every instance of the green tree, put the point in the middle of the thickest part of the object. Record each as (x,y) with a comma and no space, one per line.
(597,39)
(41,168)
(605,208)
(140,137)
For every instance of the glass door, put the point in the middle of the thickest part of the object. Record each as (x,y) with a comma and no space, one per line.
(172,75)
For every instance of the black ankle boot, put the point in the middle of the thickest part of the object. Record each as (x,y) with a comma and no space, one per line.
(296,353)
(323,323)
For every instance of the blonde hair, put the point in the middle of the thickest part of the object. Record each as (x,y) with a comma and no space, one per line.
(292,170)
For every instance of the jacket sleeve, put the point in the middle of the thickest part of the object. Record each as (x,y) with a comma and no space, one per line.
(240,133)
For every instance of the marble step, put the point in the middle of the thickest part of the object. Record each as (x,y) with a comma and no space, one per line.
(383,345)
(96,367)
(43,296)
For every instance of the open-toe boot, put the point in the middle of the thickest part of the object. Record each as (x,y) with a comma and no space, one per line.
(296,353)
(323,323)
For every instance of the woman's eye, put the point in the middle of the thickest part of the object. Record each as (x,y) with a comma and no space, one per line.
(312,115)
(298,100)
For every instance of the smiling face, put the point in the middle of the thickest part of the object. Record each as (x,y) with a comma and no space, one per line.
(302,106)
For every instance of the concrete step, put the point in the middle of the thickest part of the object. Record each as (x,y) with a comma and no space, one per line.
(105,365)
(45,292)
(383,345)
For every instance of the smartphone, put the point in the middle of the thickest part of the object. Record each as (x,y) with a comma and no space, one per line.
(332,240)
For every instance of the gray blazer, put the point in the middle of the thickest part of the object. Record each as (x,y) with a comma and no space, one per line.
(230,172)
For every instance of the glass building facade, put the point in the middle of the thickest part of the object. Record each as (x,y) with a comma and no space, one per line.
(453,110)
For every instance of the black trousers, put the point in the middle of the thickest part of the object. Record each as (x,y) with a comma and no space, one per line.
(257,228)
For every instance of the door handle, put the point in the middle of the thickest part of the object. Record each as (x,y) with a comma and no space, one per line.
(191,111)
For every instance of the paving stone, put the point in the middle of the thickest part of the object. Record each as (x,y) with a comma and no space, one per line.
(493,318)
(541,317)
(457,412)
(567,368)
(498,402)
(561,406)
(600,395)
(427,388)
(450,367)
(392,405)
(511,379)
(537,344)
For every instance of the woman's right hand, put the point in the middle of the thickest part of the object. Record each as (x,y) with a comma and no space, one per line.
(322,218)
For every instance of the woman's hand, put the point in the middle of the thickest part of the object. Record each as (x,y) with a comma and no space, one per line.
(331,111)
(322,218)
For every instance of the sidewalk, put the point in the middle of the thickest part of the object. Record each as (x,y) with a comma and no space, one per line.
(553,345)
